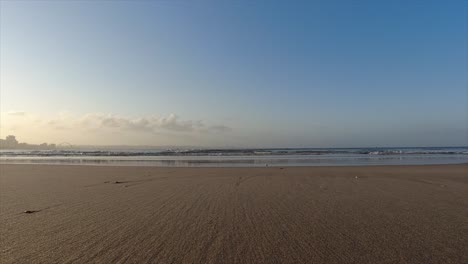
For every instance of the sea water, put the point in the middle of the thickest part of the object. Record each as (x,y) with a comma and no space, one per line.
(240,157)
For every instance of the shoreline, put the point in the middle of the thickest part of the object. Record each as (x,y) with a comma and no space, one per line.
(237,167)
(230,164)
(128,214)
(244,157)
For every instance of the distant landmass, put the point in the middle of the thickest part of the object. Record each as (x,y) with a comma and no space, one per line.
(10,142)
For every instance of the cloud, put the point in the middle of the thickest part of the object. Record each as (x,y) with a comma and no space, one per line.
(172,123)
(16,113)
(153,124)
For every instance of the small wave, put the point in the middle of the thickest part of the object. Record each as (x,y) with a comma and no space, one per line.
(234,152)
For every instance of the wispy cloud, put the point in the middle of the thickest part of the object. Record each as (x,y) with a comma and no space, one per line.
(153,124)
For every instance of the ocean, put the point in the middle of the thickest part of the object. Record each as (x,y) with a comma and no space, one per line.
(240,157)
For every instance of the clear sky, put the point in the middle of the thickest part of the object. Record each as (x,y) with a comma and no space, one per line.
(235,73)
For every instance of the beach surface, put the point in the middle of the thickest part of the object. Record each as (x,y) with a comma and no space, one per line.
(122,214)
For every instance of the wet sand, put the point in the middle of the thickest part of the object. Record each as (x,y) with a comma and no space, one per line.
(100,214)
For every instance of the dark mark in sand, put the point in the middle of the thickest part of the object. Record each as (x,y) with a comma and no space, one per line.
(37,211)
(31,211)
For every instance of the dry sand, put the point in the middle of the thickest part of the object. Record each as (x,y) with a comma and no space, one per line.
(79,214)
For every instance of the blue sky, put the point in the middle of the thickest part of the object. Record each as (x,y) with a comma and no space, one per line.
(235,73)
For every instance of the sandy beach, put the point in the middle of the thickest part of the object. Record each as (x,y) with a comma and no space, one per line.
(103,214)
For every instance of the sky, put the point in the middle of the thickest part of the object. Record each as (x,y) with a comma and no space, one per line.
(235,73)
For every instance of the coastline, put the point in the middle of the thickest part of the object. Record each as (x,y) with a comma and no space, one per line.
(242,162)
(302,157)
(329,214)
